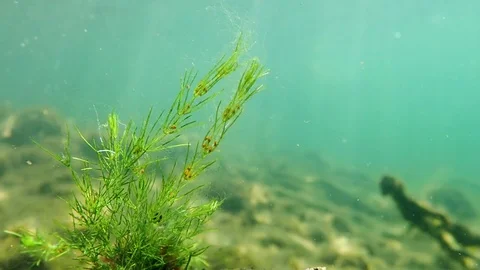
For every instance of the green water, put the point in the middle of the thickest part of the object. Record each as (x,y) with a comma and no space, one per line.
(382,85)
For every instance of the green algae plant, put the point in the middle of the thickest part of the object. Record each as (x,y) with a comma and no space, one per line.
(121,219)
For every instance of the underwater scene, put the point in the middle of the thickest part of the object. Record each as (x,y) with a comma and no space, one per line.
(255,134)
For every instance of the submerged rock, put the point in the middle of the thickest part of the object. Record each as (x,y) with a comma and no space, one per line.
(20,128)
(454,202)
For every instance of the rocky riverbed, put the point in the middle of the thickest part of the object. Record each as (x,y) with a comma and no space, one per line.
(293,210)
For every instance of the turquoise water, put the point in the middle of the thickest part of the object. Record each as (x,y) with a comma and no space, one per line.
(380,86)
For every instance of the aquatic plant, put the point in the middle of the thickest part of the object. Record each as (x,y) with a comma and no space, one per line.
(120,219)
